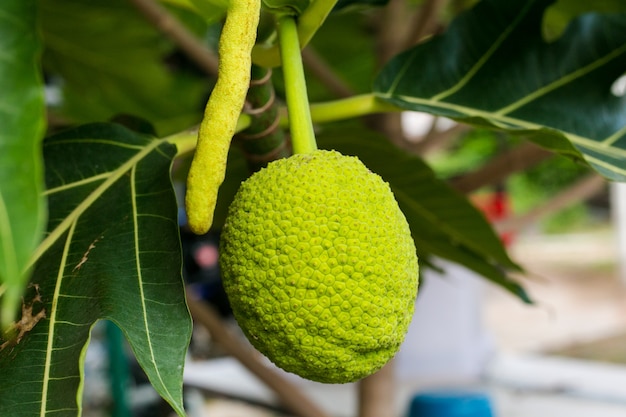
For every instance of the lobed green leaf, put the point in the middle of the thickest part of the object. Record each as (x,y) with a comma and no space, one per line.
(111,252)
(493,68)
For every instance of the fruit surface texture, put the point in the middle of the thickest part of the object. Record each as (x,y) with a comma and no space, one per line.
(320,267)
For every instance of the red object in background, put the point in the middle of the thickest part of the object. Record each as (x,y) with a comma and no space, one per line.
(496,206)
(206,256)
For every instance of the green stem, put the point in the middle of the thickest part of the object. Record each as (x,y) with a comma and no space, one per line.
(347,108)
(330,111)
(308,23)
(300,123)
(312,18)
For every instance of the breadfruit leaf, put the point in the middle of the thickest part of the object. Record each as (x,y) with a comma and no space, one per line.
(493,68)
(111,252)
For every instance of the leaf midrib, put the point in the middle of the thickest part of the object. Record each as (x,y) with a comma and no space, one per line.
(140,283)
(485,57)
(52,321)
(599,146)
(114,176)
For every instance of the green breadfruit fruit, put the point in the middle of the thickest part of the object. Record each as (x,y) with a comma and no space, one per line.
(320,267)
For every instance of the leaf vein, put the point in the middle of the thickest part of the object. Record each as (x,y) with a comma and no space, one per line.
(614,137)
(84,181)
(55,234)
(511,122)
(54,309)
(605,165)
(133,185)
(485,57)
(564,80)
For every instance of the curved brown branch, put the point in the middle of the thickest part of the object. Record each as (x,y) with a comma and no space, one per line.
(513,160)
(437,139)
(294,399)
(425,21)
(320,69)
(581,190)
(179,34)
(392,30)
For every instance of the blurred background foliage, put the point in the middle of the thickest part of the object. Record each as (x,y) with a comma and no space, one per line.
(528,188)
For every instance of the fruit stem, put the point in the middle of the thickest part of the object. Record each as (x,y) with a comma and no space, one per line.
(300,123)
(308,23)
(329,111)
(265,140)
(346,108)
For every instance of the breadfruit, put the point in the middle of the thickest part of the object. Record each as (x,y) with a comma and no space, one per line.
(319,266)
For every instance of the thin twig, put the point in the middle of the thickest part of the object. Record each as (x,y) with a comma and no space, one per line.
(325,73)
(437,139)
(513,160)
(392,30)
(167,24)
(424,21)
(581,190)
(291,396)
(391,33)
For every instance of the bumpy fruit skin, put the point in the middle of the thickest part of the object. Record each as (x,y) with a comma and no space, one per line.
(320,267)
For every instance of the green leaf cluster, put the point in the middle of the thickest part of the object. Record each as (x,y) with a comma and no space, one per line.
(88,217)
(112,252)
(557,94)
(105,59)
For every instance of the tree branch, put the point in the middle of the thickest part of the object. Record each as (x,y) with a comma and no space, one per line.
(179,34)
(581,190)
(516,159)
(436,139)
(392,30)
(424,21)
(290,395)
(325,73)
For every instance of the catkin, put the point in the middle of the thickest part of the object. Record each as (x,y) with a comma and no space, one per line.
(222,111)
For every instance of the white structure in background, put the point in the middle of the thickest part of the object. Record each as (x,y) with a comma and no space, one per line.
(618,197)
(618,208)
(448,341)
(417,124)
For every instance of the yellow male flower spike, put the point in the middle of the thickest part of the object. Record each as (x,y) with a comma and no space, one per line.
(221,113)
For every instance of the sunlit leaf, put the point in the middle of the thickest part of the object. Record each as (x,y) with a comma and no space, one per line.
(111,252)
(107,59)
(493,68)
(22,120)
